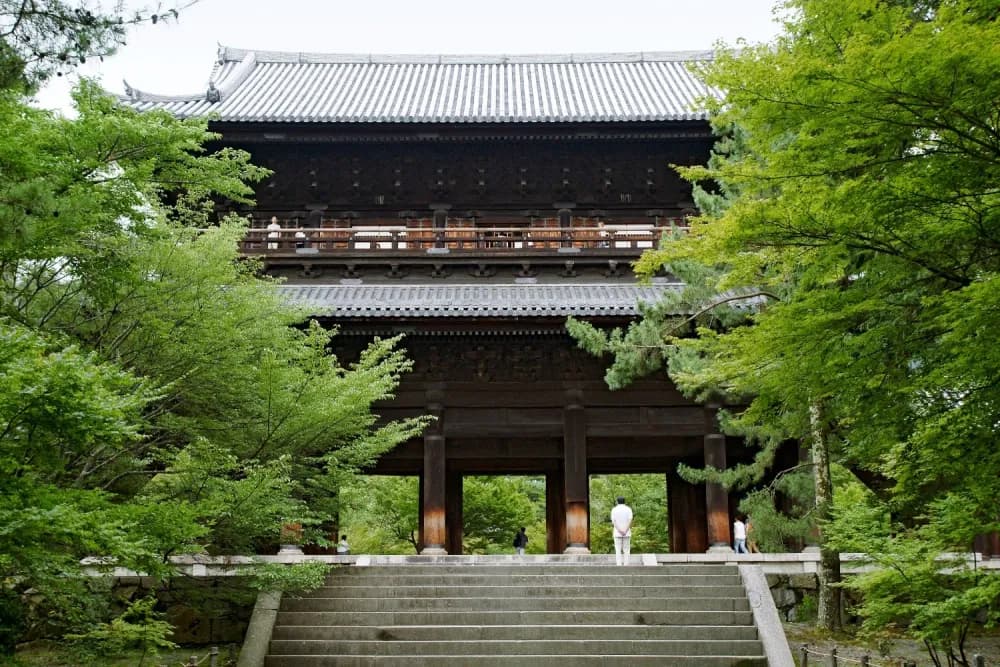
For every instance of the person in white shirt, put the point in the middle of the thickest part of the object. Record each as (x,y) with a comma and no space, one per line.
(740,536)
(274,232)
(343,548)
(621,528)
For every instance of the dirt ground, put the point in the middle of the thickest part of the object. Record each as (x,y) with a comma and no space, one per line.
(894,654)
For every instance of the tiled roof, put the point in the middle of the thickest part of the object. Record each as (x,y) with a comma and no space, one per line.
(306,87)
(394,301)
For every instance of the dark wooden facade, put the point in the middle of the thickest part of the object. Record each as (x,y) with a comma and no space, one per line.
(520,402)
(540,203)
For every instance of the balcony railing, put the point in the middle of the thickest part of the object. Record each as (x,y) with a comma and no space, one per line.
(502,240)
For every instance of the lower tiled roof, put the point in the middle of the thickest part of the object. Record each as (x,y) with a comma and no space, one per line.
(394,301)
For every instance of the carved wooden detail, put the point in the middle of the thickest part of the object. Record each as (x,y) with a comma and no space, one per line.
(392,177)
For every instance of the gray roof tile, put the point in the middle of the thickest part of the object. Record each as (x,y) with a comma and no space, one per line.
(271,86)
(394,301)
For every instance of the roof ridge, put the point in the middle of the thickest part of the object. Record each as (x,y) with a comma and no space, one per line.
(232,54)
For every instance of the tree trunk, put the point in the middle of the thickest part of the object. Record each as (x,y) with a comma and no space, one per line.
(829,607)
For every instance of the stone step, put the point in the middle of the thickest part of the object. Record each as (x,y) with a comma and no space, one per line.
(563,660)
(495,591)
(520,603)
(536,580)
(385,618)
(514,632)
(525,647)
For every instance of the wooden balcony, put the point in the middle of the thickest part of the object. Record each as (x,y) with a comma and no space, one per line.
(401,241)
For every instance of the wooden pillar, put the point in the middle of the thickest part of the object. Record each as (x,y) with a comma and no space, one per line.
(687,516)
(577,487)
(420,512)
(555,513)
(453,511)
(434,482)
(716,497)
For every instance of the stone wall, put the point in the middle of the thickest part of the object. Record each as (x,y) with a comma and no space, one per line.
(794,595)
(203,610)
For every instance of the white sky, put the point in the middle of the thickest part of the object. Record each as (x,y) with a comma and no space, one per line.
(177,57)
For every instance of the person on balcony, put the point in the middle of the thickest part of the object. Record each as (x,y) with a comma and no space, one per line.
(274,231)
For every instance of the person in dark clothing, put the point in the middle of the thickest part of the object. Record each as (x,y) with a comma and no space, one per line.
(520,541)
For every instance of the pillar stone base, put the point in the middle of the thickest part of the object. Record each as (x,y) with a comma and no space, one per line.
(720,549)
(576,550)
(433,551)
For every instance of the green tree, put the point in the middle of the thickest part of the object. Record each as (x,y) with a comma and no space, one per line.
(380,514)
(495,508)
(646,495)
(42,38)
(156,396)
(866,206)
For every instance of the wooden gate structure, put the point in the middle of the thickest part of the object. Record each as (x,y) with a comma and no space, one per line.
(473,203)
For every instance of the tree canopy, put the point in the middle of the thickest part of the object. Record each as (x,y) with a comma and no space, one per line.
(156,394)
(862,211)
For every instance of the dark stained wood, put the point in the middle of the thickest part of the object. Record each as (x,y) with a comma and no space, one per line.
(687,515)
(555,512)
(420,511)
(433,512)
(577,483)
(716,497)
(454,492)
(506,201)
(517,176)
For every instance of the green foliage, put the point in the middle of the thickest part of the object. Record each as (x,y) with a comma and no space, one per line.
(140,626)
(855,191)
(379,514)
(156,396)
(912,581)
(864,196)
(807,607)
(646,495)
(495,508)
(43,38)
(297,578)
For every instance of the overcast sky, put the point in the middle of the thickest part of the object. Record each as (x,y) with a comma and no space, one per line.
(177,57)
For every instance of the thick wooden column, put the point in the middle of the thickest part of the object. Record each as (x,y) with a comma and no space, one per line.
(716,497)
(453,511)
(434,482)
(577,487)
(687,517)
(420,512)
(555,513)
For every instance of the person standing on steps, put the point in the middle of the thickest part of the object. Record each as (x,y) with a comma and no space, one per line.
(521,541)
(740,535)
(621,528)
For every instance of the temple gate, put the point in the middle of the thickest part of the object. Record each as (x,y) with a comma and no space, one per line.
(473,203)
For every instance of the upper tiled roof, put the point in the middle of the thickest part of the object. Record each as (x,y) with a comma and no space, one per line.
(274,86)
(394,301)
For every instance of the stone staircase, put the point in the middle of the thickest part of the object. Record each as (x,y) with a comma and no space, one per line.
(521,614)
